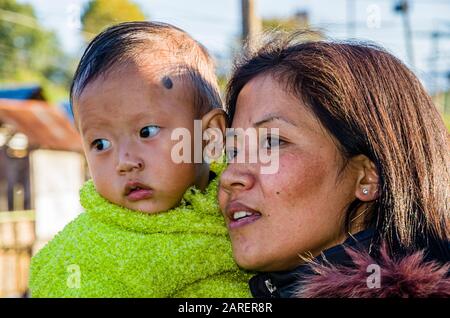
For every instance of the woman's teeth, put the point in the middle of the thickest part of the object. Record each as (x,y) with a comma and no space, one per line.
(241,214)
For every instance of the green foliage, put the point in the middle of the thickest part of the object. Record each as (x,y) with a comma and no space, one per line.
(446,118)
(28,52)
(222,80)
(289,24)
(297,22)
(99,14)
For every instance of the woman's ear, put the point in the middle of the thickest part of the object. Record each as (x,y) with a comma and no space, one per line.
(367,185)
(213,127)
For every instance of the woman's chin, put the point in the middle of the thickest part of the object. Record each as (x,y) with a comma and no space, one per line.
(250,266)
(251,261)
(245,259)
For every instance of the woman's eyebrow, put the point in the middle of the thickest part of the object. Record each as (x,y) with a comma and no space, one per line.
(273,117)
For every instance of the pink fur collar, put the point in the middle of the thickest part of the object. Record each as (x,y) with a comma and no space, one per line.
(410,276)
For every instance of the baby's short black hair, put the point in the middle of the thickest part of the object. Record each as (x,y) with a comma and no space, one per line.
(118,44)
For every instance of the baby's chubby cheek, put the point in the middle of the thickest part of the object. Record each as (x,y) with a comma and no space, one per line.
(108,187)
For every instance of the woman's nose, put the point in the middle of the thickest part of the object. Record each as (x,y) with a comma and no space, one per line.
(127,163)
(236,178)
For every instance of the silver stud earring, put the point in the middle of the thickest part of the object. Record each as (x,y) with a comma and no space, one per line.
(365,191)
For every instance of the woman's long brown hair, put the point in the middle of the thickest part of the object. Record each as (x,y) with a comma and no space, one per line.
(373,105)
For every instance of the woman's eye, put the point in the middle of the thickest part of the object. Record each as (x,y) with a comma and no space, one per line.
(149,131)
(101,144)
(231,153)
(272,141)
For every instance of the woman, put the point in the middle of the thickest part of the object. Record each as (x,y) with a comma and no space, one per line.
(363,181)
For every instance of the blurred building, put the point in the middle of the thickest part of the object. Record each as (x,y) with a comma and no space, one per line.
(41,171)
(32,92)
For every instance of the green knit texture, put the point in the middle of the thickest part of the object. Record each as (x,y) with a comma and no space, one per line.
(111,251)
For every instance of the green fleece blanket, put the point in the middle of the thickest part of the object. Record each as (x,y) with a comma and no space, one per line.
(111,251)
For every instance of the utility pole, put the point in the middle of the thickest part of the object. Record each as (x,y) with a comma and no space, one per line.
(403,7)
(434,60)
(251,24)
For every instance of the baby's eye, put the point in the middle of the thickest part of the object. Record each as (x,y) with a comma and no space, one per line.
(101,144)
(149,131)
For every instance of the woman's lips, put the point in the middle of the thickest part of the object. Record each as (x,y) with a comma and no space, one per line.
(240,215)
(234,224)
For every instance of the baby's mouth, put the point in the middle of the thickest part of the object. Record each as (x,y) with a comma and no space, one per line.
(135,191)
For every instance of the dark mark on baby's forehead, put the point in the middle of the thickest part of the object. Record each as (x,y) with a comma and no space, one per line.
(167,82)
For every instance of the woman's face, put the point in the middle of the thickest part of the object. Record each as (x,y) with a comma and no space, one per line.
(298,209)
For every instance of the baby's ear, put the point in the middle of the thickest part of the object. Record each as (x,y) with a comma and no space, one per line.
(213,127)
(215,119)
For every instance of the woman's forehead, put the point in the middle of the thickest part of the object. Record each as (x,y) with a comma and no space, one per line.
(263,99)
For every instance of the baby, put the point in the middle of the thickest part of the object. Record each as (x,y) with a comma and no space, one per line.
(151,225)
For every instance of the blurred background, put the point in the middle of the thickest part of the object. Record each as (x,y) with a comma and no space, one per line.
(41,162)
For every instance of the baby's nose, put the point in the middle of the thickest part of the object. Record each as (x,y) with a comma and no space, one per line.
(128,163)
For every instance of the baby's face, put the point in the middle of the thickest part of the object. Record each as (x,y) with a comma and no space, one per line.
(126,120)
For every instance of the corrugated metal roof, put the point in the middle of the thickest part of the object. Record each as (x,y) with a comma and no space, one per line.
(44,125)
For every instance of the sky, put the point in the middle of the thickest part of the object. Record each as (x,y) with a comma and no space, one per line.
(217,23)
